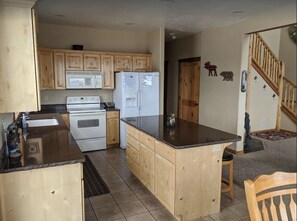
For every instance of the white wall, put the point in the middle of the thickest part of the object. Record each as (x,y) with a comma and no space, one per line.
(5,120)
(287,54)
(272,39)
(287,123)
(222,105)
(175,50)
(156,46)
(263,107)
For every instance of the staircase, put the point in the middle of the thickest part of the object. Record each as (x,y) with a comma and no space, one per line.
(272,71)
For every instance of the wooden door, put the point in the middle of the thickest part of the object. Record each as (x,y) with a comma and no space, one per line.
(46,71)
(74,61)
(59,67)
(107,71)
(165,182)
(147,167)
(188,89)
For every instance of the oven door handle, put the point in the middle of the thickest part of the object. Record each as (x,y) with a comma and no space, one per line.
(88,113)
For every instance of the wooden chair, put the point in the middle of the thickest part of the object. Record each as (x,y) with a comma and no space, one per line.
(265,197)
(228,161)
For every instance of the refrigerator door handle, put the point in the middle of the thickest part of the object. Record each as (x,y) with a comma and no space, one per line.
(139,100)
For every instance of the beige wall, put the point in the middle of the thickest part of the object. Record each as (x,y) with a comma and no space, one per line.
(61,36)
(222,105)
(272,39)
(156,46)
(287,54)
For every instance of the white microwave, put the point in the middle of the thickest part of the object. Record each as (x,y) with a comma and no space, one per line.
(83,80)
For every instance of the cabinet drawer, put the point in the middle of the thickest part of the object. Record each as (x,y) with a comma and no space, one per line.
(132,131)
(132,142)
(133,166)
(112,114)
(165,151)
(147,140)
(133,154)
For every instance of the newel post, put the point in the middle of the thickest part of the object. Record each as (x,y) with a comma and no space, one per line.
(280,97)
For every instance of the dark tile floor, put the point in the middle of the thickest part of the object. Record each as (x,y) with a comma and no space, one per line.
(129,200)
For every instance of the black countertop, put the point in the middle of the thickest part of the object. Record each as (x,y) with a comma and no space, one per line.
(184,135)
(55,147)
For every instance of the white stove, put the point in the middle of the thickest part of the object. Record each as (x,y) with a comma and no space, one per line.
(87,122)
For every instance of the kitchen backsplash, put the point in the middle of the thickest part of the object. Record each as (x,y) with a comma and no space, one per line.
(59,96)
(5,120)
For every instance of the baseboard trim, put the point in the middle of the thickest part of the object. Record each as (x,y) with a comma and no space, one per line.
(263,131)
(234,152)
(288,131)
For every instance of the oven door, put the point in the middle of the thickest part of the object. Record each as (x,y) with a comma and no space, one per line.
(88,125)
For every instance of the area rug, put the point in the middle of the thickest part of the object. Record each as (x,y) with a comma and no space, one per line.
(93,182)
(275,135)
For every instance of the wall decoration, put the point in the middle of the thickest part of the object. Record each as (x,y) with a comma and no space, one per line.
(228,75)
(212,69)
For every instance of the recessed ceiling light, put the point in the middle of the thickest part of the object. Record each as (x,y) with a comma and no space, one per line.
(237,12)
(167,1)
(171,33)
(61,16)
(129,23)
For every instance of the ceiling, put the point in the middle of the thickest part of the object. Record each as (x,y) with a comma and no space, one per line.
(179,17)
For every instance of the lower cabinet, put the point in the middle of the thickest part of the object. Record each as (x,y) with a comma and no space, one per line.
(165,182)
(53,193)
(147,167)
(112,128)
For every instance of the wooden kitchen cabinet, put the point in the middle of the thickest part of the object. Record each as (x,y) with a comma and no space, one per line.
(46,69)
(147,167)
(92,62)
(74,61)
(59,70)
(112,128)
(165,182)
(66,119)
(107,71)
(122,63)
(18,57)
(142,63)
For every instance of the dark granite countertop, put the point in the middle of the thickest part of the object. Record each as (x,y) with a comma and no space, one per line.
(185,135)
(51,108)
(55,147)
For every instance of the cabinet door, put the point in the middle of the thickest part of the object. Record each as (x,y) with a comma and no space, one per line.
(107,71)
(165,182)
(74,61)
(112,131)
(46,71)
(141,63)
(122,63)
(147,167)
(59,67)
(92,62)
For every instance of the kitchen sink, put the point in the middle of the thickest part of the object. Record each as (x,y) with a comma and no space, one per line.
(42,122)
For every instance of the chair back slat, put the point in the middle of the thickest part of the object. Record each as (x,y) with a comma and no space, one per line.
(293,208)
(273,210)
(282,209)
(275,180)
(264,211)
(271,193)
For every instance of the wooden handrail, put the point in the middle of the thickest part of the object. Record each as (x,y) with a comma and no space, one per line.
(289,96)
(293,85)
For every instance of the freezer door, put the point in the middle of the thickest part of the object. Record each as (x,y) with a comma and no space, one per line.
(130,95)
(149,94)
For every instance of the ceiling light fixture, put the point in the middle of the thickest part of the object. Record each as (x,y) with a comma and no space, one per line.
(129,23)
(60,15)
(237,12)
(167,1)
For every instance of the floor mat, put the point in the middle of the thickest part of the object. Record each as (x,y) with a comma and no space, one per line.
(93,182)
(275,135)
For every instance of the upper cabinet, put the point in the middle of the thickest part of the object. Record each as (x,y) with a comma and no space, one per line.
(92,62)
(18,57)
(59,70)
(142,63)
(122,63)
(107,71)
(74,61)
(46,69)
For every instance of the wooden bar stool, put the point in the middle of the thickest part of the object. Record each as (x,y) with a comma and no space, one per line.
(228,160)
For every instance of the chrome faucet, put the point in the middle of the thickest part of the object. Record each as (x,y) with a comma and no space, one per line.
(24,118)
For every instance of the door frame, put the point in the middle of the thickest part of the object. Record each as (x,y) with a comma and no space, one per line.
(193,59)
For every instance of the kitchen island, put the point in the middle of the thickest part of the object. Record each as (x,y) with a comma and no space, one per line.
(181,166)
(47,182)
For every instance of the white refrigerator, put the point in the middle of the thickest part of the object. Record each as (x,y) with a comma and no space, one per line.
(136,94)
